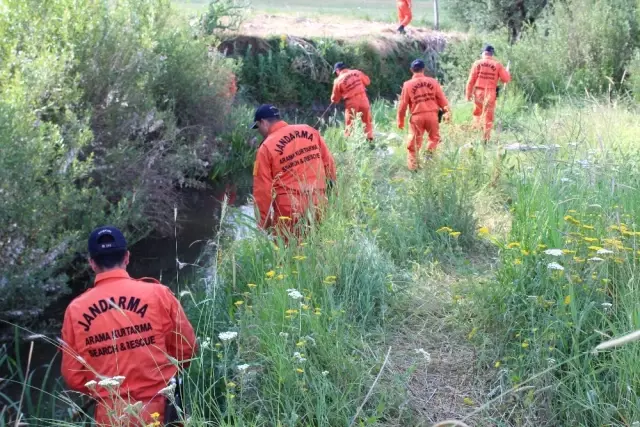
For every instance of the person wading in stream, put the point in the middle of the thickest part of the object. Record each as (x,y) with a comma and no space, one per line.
(482,87)
(123,338)
(424,97)
(292,171)
(351,85)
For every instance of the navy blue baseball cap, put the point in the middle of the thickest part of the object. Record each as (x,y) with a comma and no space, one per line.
(339,66)
(100,245)
(489,49)
(418,64)
(265,111)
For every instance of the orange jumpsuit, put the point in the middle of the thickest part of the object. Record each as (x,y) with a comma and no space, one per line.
(290,174)
(125,327)
(483,81)
(423,96)
(351,85)
(404,12)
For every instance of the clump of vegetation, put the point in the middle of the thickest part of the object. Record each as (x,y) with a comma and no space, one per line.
(106,112)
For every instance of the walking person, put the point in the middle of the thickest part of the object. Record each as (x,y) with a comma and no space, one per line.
(351,85)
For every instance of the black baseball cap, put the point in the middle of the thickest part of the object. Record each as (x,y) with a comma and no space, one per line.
(339,66)
(418,64)
(488,48)
(265,111)
(109,245)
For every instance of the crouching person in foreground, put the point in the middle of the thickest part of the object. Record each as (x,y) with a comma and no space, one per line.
(292,171)
(122,338)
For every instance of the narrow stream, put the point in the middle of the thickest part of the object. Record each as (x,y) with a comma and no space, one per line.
(197,222)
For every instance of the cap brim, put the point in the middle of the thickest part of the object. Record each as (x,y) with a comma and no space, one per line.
(254,125)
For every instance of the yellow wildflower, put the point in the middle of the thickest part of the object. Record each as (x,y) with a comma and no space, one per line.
(541,246)
(291,311)
(572,211)
(567,300)
(280,276)
(571,220)
(624,248)
(525,252)
(444,230)
(300,371)
(299,257)
(568,252)
(614,228)
(305,307)
(270,274)
(467,401)
(618,260)
(595,248)
(455,234)
(231,384)
(301,343)
(590,239)
(517,261)
(578,259)
(155,415)
(232,396)
(330,280)
(483,231)
(525,344)
(252,285)
(513,245)
(497,364)
(588,227)
(238,303)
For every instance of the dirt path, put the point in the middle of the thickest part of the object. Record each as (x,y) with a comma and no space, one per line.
(336,27)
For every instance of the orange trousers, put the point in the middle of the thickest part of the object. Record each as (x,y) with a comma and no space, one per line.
(107,412)
(485,100)
(354,106)
(292,211)
(404,12)
(421,123)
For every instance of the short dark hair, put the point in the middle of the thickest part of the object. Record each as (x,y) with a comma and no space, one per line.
(111,259)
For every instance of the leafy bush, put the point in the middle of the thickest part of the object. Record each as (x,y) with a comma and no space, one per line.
(105,111)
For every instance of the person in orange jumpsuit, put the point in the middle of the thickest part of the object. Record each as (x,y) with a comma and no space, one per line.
(485,75)
(423,97)
(404,14)
(351,85)
(292,171)
(119,337)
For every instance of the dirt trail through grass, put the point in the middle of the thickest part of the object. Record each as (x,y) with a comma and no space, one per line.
(336,27)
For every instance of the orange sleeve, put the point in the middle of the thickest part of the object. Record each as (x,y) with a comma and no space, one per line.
(75,374)
(336,95)
(473,77)
(504,75)
(441,99)
(405,101)
(327,159)
(262,185)
(365,79)
(180,338)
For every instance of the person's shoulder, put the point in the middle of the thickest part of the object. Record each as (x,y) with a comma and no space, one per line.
(304,128)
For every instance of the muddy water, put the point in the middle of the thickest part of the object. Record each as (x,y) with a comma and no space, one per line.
(197,223)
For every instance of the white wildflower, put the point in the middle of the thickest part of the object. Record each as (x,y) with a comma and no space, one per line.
(184,293)
(119,378)
(284,335)
(424,353)
(205,343)
(299,357)
(227,336)
(565,180)
(168,391)
(325,373)
(606,305)
(604,252)
(551,361)
(554,252)
(108,383)
(91,384)
(243,368)
(555,266)
(596,259)
(295,294)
